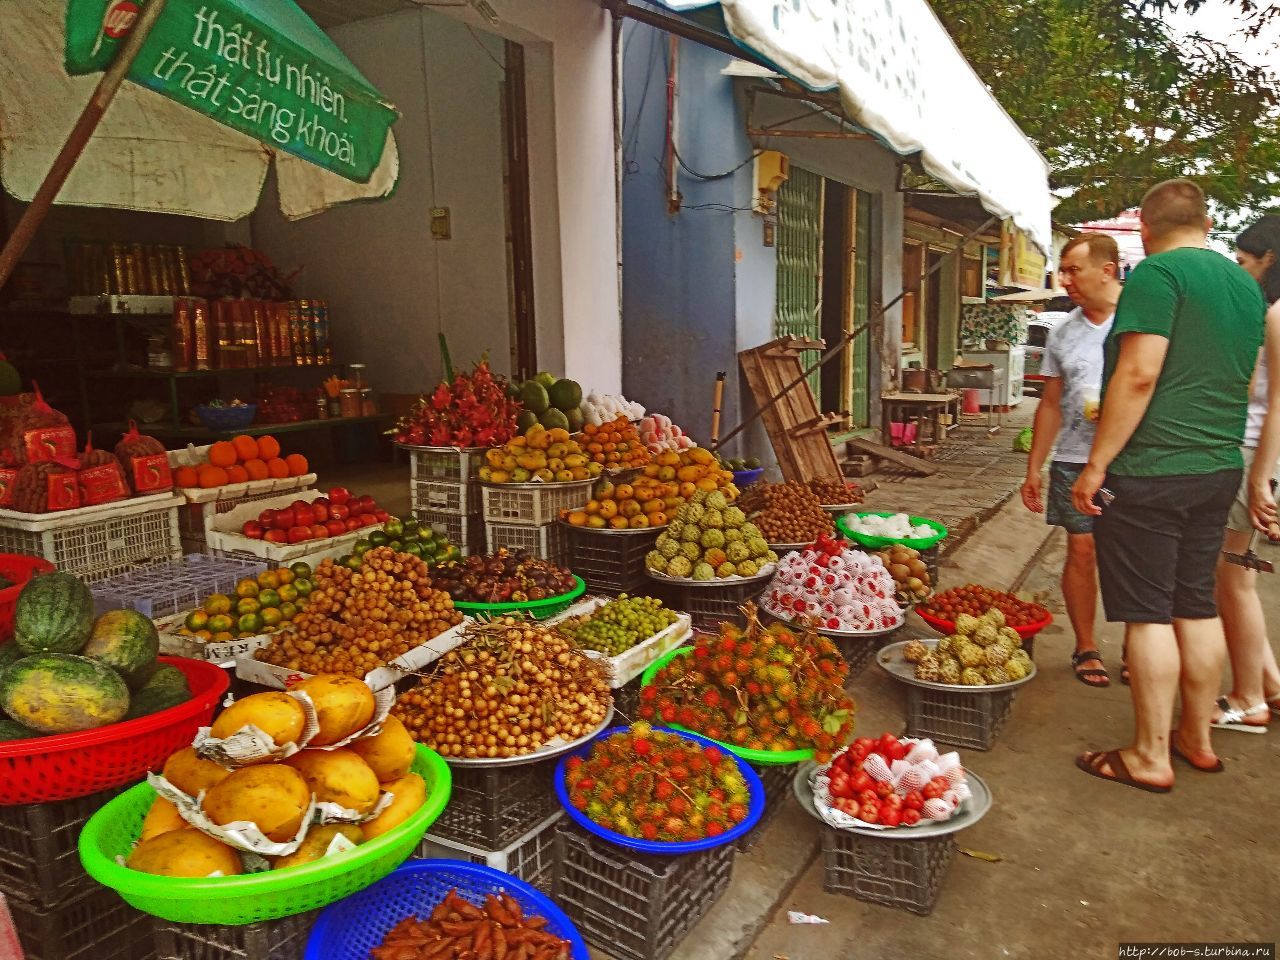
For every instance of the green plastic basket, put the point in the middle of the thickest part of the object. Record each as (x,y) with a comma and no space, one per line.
(231,901)
(765,758)
(875,543)
(538,609)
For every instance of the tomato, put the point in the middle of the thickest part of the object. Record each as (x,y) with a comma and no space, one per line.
(910,816)
(913,800)
(339,495)
(299,534)
(890,816)
(267,518)
(253,530)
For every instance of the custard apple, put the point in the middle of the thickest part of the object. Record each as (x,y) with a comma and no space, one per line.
(994,616)
(970,677)
(712,539)
(699,497)
(674,527)
(690,534)
(1012,635)
(985,635)
(669,547)
(758,548)
(970,655)
(965,624)
(734,517)
(995,655)
(949,671)
(693,551)
(1015,668)
(733,535)
(691,513)
(736,551)
(914,651)
(771,556)
(750,531)
(704,571)
(944,645)
(748,568)
(927,669)
(713,519)
(1007,646)
(1021,657)
(655,561)
(996,675)
(679,567)
(726,569)
(716,500)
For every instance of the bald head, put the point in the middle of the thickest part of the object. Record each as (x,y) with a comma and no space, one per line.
(1174,207)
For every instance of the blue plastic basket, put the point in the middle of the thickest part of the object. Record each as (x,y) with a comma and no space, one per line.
(742,478)
(351,928)
(226,418)
(666,848)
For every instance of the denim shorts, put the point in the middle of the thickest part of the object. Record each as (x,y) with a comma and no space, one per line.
(1059,510)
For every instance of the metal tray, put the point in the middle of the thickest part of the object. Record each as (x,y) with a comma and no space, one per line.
(890,659)
(839,634)
(545,753)
(766,573)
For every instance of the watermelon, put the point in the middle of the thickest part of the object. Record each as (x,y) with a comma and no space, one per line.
(9,652)
(127,642)
(54,614)
(13,730)
(62,693)
(167,688)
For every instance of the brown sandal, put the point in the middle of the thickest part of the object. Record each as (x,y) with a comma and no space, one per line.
(1176,751)
(1085,675)
(1091,763)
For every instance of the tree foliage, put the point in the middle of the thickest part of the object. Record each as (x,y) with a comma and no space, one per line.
(1117,103)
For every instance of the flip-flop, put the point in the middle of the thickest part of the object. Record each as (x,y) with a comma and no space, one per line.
(1176,751)
(1233,718)
(1085,656)
(1091,763)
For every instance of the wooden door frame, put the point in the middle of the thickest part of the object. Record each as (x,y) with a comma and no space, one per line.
(515,121)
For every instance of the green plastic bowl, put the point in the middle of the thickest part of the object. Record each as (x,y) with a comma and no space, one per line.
(231,901)
(876,543)
(538,609)
(765,758)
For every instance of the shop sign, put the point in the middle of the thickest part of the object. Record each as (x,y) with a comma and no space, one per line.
(1021,264)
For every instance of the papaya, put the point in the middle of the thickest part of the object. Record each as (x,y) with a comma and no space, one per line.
(54,614)
(390,753)
(344,705)
(410,793)
(316,844)
(62,693)
(185,853)
(273,796)
(191,773)
(276,714)
(338,776)
(127,642)
(161,818)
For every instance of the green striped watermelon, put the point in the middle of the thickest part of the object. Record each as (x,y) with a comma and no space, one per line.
(54,614)
(127,642)
(13,730)
(167,688)
(62,693)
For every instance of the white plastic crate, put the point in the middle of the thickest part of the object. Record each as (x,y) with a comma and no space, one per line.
(531,858)
(549,542)
(447,464)
(466,532)
(170,588)
(532,504)
(444,497)
(226,540)
(196,519)
(96,543)
(629,664)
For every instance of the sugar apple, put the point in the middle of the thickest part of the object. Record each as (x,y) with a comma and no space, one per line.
(1007,646)
(758,548)
(965,624)
(699,497)
(734,535)
(712,539)
(914,651)
(1016,669)
(1012,635)
(771,556)
(655,561)
(1021,656)
(704,571)
(996,675)
(716,500)
(680,567)
(985,635)
(949,671)
(691,513)
(994,616)
(944,646)
(690,534)
(995,655)
(970,655)
(693,551)
(669,547)
(748,568)
(712,519)
(736,550)
(971,677)
(726,569)
(734,517)
(750,531)
(927,669)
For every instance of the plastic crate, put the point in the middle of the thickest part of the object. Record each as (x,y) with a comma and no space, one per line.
(532,504)
(635,906)
(93,925)
(39,863)
(626,703)
(611,563)
(709,606)
(95,543)
(860,653)
(550,541)
(283,939)
(902,873)
(960,719)
(531,858)
(777,788)
(172,588)
(492,807)
(195,519)
(445,497)
(464,532)
(448,464)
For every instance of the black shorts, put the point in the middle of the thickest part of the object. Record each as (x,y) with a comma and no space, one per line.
(1158,543)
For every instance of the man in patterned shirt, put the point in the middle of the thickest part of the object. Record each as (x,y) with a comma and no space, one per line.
(1068,412)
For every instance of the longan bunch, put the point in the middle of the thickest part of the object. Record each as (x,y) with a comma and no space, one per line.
(512,687)
(357,620)
(786,512)
(829,490)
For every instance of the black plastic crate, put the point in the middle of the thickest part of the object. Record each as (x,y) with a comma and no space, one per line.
(531,858)
(777,788)
(902,873)
(709,606)
(962,719)
(635,906)
(92,925)
(283,939)
(626,703)
(612,563)
(860,653)
(493,807)
(38,858)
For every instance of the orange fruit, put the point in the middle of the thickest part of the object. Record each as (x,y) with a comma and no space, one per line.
(257,469)
(619,523)
(237,474)
(246,447)
(222,453)
(297,464)
(639,521)
(186,477)
(578,518)
(277,468)
(268,447)
(211,476)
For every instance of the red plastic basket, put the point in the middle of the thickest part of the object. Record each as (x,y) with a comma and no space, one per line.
(17,568)
(948,626)
(69,765)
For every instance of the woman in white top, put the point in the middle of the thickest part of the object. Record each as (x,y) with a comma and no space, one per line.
(1255,678)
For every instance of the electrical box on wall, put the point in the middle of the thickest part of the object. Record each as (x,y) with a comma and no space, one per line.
(772,169)
(441,227)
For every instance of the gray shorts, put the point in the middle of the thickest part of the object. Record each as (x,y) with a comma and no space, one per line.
(1059,509)
(1238,518)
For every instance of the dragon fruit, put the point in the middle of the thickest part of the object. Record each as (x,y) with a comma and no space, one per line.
(473,411)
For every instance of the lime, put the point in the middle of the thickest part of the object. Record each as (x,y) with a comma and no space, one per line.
(271,617)
(197,620)
(220,623)
(271,598)
(250,623)
(248,605)
(304,588)
(288,593)
(301,570)
(288,611)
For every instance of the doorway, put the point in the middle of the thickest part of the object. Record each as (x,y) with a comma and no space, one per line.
(846,302)
(933,309)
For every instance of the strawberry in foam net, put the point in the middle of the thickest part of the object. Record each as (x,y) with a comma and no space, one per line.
(842,589)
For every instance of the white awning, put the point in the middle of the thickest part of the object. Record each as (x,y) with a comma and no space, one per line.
(901,76)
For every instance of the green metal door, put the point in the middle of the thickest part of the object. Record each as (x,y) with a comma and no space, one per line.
(860,361)
(799,296)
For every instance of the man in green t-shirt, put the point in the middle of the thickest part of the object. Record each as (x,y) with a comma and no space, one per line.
(1175,392)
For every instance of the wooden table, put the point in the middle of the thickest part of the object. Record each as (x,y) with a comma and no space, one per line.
(926,407)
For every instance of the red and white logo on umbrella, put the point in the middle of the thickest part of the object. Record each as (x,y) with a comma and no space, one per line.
(119,19)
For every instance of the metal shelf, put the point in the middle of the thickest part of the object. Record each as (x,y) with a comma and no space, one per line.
(255,430)
(195,374)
